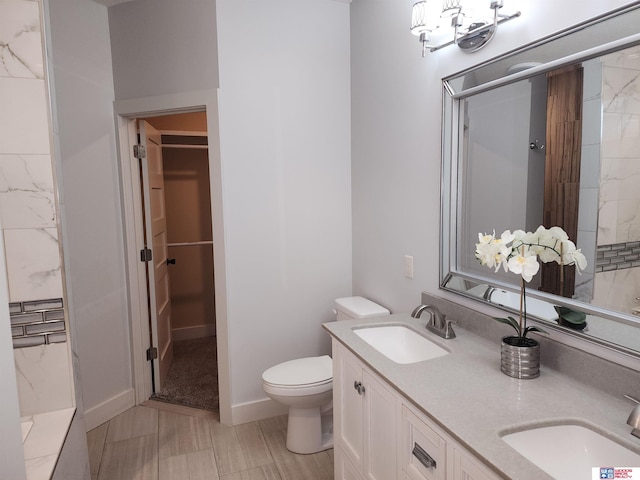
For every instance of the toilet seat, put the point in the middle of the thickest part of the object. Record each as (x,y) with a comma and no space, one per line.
(303,376)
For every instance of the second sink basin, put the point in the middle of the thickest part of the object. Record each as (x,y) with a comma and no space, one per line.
(568,452)
(400,344)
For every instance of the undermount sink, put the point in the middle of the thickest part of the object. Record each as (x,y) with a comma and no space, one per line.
(567,452)
(400,344)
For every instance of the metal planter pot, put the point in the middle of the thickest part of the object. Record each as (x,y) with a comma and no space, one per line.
(520,358)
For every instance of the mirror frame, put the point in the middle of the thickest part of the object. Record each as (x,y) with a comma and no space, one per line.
(450,205)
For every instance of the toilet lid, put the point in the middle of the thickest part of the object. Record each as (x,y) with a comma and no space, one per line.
(302,371)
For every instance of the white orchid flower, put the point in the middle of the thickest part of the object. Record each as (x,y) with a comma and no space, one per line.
(558,233)
(520,236)
(484,253)
(506,237)
(525,265)
(567,248)
(520,251)
(545,244)
(493,252)
(524,240)
(579,260)
(485,237)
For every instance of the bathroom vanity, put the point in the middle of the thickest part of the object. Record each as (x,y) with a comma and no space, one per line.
(377,430)
(445,417)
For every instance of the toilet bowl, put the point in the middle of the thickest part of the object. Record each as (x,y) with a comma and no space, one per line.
(305,385)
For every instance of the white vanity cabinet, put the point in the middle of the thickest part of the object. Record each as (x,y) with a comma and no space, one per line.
(365,424)
(429,453)
(379,435)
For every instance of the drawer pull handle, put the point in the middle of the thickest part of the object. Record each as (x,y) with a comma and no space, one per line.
(359,387)
(424,458)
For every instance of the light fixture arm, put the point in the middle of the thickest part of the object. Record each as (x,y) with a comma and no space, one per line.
(456,23)
(476,37)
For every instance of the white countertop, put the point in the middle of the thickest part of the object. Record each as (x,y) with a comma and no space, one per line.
(44,441)
(467,395)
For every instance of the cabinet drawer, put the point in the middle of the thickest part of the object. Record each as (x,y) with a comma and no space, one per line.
(467,467)
(423,450)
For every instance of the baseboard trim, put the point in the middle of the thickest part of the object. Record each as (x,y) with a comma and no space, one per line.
(188,333)
(105,411)
(252,411)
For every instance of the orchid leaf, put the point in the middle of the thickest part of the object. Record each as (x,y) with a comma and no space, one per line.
(571,316)
(509,321)
(534,329)
(574,317)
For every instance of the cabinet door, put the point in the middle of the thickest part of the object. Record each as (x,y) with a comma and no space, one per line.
(466,467)
(380,422)
(344,470)
(347,405)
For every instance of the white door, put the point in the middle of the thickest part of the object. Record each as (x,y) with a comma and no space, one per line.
(156,240)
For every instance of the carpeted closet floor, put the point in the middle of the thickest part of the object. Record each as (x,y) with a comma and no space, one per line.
(192,379)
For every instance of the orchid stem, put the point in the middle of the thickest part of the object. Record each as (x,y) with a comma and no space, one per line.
(561,272)
(521,306)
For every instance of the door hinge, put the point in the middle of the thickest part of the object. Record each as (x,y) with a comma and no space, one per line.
(139,151)
(152,353)
(146,255)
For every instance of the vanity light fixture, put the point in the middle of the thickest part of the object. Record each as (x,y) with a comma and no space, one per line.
(470,28)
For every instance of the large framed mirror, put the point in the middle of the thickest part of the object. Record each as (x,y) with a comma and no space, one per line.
(550,135)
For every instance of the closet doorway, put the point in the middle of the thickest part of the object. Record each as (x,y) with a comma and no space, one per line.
(188,349)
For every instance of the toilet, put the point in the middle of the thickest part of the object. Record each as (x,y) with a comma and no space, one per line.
(305,385)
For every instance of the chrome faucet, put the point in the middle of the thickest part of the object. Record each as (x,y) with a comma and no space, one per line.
(634,418)
(437,321)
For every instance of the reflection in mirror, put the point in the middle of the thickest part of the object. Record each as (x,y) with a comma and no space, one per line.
(559,146)
(599,31)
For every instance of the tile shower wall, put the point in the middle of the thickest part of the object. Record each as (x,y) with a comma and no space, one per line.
(589,174)
(27,200)
(619,216)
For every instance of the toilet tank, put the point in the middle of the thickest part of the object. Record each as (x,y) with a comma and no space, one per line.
(357,307)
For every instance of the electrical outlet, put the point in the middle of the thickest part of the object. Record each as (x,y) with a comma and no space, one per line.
(408,266)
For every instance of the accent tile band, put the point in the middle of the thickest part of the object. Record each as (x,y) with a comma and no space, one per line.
(617,256)
(37,322)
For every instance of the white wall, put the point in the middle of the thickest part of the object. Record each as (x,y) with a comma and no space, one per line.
(396,108)
(497,149)
(284,128)
(284,116)
(163,46)
(90,202)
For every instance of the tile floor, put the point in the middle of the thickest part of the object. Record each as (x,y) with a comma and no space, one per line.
(159,441)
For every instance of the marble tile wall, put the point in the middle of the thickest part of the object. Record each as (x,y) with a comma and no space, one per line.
(620,174)
(28,216)
(27,202)
(589,175)
(619,200)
